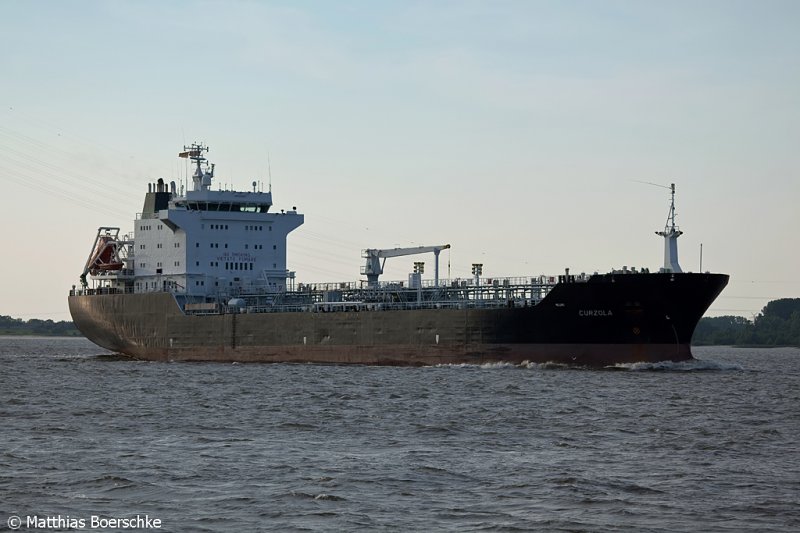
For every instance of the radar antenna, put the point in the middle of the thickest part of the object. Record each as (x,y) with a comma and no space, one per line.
(201,178)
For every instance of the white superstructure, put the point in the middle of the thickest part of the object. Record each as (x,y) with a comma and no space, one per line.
(205,242)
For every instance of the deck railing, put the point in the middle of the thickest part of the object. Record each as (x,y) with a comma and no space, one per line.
(358,296)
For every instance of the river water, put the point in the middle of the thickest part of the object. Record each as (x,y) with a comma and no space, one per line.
(709,445)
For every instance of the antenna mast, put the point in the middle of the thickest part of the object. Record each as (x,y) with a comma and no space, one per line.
(671,233)
(269,173)
(670,226)
(202,177)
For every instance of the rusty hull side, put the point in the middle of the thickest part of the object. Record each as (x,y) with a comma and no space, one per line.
(130,324)
(152,326)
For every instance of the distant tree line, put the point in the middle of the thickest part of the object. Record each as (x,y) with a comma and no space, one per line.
(778,324)
(34,326)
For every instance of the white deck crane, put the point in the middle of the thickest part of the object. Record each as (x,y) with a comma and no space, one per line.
(374,266)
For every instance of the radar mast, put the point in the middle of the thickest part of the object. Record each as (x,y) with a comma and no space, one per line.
(671,233)
(201,177)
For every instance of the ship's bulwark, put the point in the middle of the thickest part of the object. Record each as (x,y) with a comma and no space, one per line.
(612,318)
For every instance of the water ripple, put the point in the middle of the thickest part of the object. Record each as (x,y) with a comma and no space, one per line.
(710,444)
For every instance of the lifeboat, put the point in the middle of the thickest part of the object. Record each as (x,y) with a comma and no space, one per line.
(105,257)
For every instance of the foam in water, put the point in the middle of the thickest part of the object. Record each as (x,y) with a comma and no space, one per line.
(693,365)
(501,364)
(485,366)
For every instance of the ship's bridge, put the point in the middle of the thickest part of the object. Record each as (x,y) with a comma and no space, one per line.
(225,201)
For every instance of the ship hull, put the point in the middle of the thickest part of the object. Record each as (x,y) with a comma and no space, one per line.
(610,319)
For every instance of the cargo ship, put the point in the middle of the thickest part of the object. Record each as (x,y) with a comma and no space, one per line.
(204,277)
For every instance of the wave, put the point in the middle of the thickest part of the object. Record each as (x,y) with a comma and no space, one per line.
(310,496)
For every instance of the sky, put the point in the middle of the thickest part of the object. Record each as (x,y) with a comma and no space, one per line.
(519,132)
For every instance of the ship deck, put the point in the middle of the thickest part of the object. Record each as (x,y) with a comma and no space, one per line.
(357,296)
